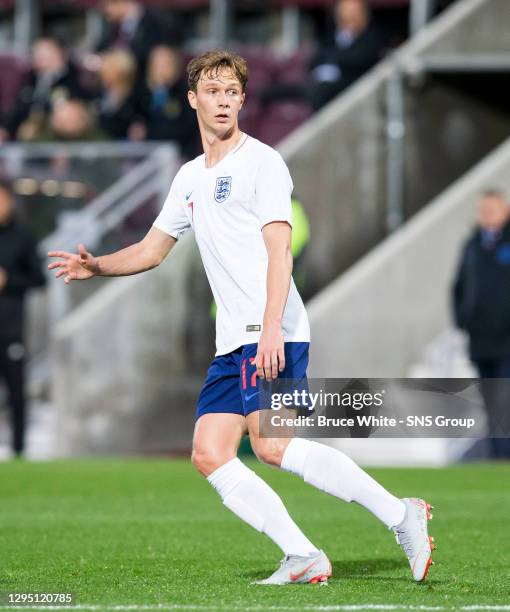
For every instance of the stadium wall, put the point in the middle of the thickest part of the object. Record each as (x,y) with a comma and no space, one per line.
(385,309)
(339,158)
(377,319)
(128,363)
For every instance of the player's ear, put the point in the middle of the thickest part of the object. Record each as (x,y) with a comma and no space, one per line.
(243,97)
(192,99)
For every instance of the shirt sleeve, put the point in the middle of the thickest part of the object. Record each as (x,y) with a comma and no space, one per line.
(173,219)
(273,189)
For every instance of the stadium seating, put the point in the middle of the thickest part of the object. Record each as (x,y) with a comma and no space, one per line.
(264,67)
(172,4)
(293,69)
(13,72)
(191,4)
(280,119)
(325,4)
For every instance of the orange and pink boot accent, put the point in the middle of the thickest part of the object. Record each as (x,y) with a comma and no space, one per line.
(294,569)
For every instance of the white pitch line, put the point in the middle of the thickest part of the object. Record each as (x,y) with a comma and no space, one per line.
(324,608)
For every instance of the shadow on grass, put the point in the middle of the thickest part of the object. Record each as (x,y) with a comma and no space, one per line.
(355,568)
(377,570)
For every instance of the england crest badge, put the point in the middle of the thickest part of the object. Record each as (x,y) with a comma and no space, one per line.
(222,189)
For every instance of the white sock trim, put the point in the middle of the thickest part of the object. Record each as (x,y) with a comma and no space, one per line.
(226,478)
(294,457)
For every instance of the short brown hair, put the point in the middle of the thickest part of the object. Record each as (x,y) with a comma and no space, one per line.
(211,62)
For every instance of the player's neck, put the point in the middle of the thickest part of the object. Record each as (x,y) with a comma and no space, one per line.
(217,147)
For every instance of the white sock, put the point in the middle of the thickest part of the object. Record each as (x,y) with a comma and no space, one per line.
(332,471)
(253,500)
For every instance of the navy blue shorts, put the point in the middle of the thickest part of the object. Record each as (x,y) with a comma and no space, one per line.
(232,384)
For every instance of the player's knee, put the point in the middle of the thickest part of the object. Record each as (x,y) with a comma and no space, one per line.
(203,462)
(268,450)
(206,462)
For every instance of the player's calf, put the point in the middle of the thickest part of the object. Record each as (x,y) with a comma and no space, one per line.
(269,450)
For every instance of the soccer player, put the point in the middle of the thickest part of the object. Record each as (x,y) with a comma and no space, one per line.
(237,199)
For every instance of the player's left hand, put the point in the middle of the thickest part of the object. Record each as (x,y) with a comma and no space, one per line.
(270,352)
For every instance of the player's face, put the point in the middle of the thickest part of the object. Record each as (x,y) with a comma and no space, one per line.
(218,100)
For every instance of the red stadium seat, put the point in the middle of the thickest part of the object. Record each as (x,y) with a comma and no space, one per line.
(280,119)
(13,72)
(262,68)
(249,116)
(294,69)
(171,4)
(311,4)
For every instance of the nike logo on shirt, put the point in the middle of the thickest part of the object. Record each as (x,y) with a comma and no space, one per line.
(188,195)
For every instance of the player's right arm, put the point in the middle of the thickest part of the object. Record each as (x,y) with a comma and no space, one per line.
(139,257)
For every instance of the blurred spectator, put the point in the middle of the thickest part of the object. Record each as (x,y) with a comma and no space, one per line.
(357,45)
(131,26)
(69,179)
(117,107)
(71,121)
(20,270)
(482,308)
(163,100)
(53,78)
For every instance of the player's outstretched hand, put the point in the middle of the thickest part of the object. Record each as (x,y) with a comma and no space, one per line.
(73,266)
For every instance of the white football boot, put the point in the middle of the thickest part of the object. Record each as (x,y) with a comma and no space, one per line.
(413,537)
(315,568)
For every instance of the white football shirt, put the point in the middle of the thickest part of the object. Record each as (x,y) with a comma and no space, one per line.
(227,206)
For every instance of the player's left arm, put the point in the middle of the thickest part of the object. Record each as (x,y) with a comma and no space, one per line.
(270,352)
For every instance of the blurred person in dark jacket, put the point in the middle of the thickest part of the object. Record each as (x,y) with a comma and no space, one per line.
(53,79)
(357,45)
(163,102)
(117,106)
(20,270)
(133,27)
(482,308)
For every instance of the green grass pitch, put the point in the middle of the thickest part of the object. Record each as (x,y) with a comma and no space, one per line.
(147,532)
